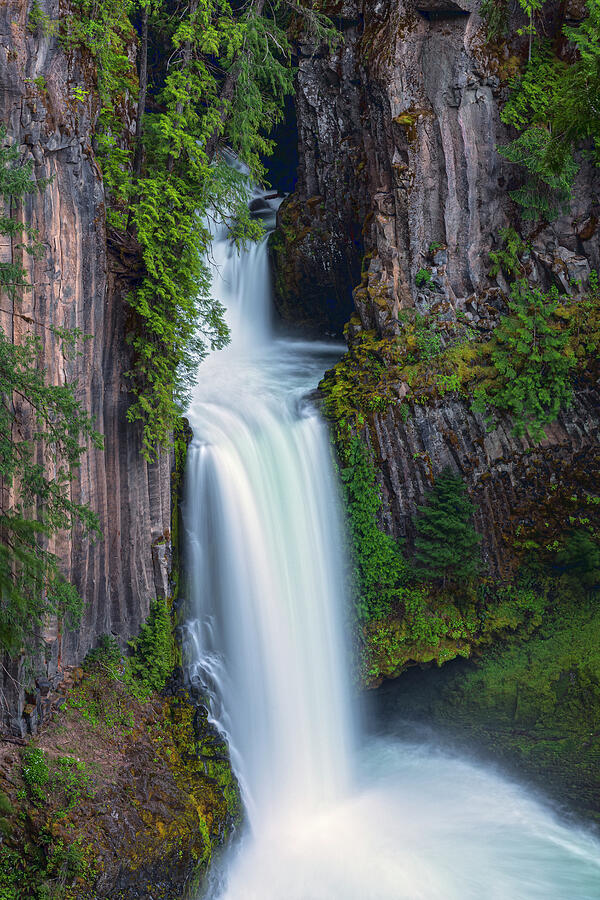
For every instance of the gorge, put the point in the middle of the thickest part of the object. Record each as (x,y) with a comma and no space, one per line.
(281,614)
(332,811)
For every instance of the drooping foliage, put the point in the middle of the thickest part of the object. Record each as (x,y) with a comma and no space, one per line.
(447,545)
(576,111)
(380,569)
(209,75)
(546,192)
(15,182)
(41,432)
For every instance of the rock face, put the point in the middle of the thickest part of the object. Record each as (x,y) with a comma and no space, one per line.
(140,793)
(398,129)
(517,485)
(75,284)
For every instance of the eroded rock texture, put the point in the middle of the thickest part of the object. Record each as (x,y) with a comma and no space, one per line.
(513,481)
(398,129)
(75,285)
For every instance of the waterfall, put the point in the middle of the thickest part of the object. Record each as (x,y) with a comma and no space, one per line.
(329,817)
(267,569)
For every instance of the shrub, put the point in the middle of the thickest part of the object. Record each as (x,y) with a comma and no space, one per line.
(36,773)
(423,278)
(154,653)
(106,655)
(380,568)
(531,362)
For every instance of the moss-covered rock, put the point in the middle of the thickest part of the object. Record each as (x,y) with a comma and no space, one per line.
(533,703)
(138,795)
(432,627)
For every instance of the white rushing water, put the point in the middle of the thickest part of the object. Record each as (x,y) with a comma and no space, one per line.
(327,819)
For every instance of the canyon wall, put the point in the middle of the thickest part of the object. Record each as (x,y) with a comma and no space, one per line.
(398,129)
(76,283)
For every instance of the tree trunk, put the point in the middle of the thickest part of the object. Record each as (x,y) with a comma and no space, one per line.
(137,160)
(227,93)
(187,58)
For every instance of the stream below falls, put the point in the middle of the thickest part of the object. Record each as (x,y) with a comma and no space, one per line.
(332,812)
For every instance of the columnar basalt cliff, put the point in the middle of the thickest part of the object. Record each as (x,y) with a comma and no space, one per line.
(49,104)
(398,129)
(398,133)
(512,480)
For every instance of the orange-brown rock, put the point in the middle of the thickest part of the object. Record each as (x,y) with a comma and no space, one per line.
(72,287)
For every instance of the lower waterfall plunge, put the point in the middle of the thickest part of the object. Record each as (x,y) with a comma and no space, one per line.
(332,815)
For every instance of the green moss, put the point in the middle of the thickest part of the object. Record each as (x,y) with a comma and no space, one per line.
(39,858)
(199,758)
(365,381)
(434,626)
(428,359)
(209,797)
(173,789)
(436,354)
(401,620)
(534,702)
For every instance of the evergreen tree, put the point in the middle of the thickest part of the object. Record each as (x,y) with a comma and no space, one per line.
(447,545)
(580,560)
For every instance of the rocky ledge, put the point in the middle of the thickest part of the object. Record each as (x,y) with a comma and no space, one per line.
(119,796)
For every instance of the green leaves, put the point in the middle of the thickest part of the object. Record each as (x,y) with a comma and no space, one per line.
(221,77)
(578,97)
(507,259)
(533,92)
(380,569)
(447,545)
(154,654)
(40,430)
(546,194)
(531,358)
(15,182)
(555,105)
